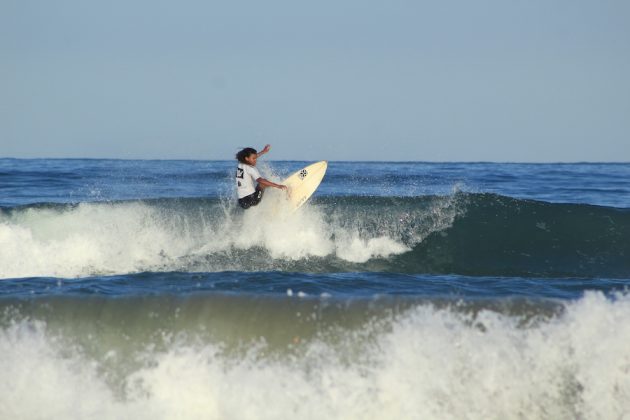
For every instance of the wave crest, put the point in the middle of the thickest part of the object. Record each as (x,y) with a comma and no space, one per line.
(468,234)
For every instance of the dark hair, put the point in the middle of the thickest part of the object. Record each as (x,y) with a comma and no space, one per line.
(240,156)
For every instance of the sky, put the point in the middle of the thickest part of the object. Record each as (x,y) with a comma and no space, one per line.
(443,80)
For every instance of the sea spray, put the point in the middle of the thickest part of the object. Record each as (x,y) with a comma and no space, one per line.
(425,360)
(469,234)
(203,235)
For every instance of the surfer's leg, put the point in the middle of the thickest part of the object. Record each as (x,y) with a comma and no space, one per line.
(258,195)
(252,199)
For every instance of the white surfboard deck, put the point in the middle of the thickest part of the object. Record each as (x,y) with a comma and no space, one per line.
(303,183)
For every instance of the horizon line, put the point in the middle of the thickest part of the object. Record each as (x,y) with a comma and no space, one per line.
(329,160)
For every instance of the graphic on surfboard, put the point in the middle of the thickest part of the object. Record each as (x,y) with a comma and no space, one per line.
(303,183)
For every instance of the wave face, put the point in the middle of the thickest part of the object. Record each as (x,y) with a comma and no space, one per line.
(509,237)
(462,233)
(212,356)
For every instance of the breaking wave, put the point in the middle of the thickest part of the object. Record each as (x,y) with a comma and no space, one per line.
(468,234)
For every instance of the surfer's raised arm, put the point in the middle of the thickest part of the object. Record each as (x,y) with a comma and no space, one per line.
(264,150)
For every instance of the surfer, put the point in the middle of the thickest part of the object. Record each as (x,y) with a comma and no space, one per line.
(250,185)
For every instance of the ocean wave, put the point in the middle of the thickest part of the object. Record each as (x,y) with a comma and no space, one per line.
(156,358)
(462,233)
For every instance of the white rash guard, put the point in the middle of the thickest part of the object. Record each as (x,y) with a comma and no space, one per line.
(246,176)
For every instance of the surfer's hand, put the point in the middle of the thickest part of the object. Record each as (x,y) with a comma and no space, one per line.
(265,149)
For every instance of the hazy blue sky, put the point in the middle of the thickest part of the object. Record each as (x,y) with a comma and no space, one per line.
(504,80)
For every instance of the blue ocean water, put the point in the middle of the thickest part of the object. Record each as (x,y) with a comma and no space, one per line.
(401,289)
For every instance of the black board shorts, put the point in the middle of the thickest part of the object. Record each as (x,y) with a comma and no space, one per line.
(252,199)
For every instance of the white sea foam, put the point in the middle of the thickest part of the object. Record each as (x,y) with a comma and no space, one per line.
(85,240)
(119,238)
(431,364)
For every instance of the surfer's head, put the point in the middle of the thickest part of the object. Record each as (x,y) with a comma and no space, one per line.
(245,155)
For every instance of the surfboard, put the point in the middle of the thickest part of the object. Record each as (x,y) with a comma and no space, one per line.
(303,183)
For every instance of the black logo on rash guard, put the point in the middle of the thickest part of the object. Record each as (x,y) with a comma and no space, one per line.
(240,173)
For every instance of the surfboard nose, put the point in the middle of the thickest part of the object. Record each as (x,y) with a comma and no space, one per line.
(304,182)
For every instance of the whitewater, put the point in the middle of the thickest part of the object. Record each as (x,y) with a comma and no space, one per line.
(138,289)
